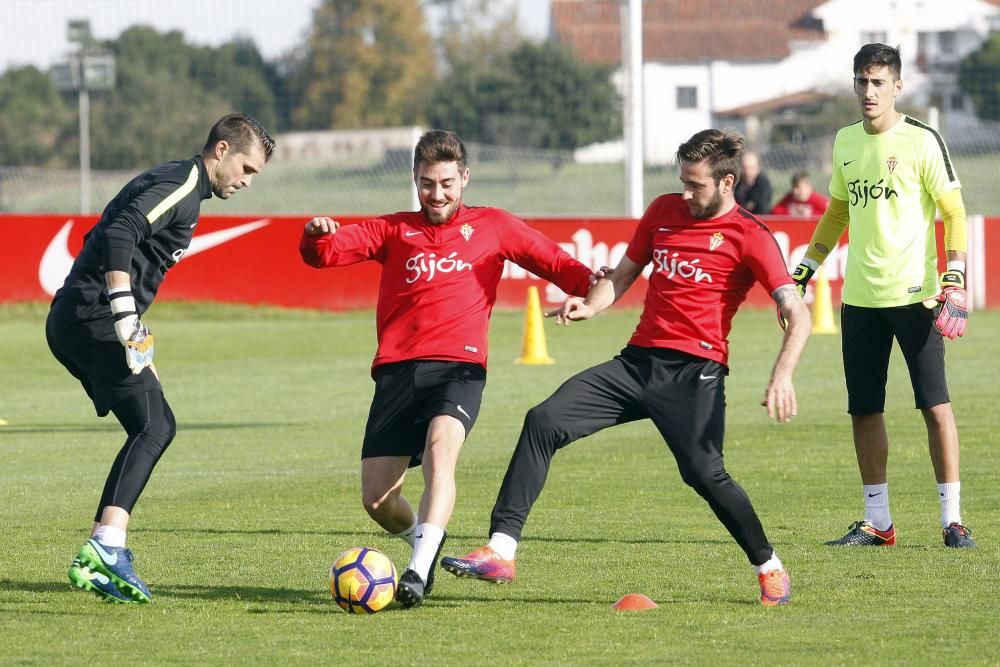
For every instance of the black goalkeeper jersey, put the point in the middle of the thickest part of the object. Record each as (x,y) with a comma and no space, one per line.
(144,230)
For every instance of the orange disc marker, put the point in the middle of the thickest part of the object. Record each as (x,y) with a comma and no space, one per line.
(634,602)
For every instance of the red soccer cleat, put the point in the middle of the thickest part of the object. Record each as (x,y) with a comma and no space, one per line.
(775,588)
(483,564)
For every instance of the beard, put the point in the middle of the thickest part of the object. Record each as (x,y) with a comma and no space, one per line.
(441,216)
(709,210)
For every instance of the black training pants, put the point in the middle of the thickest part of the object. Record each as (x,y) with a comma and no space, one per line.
(684,397)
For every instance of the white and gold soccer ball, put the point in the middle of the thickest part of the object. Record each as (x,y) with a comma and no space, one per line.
(363,580)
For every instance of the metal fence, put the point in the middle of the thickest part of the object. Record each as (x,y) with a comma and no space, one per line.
(529,182)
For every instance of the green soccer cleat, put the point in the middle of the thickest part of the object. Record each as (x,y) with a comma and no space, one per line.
(113,563)
(85,578)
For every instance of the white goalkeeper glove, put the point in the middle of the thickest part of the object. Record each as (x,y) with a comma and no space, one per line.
(132,334)
(954,314)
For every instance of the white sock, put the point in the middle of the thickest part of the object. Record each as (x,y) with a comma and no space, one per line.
(428,539)
(773,563)
(408,534)
(877,505)
(950,493)
(504,545)
(110,536)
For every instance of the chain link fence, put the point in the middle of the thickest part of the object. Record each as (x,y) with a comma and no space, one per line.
(529,182)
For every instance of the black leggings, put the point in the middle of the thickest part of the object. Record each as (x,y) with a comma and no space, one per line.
(150,425)
(685,399)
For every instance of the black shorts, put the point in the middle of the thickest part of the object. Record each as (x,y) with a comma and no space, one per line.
(867,342)
(683,395)
(408,394)
(90,351)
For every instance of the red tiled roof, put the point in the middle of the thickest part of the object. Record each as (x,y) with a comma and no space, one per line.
(799,99)
(688,30)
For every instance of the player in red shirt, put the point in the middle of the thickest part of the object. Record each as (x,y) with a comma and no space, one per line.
(802,201)
(706,253)
(440,270)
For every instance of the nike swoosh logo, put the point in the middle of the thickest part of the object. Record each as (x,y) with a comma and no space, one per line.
(205,241)
(459,408)
(872,495)
(707,377)
(849,162)
(411,233)
(104,581)
(109,559)
(57,259)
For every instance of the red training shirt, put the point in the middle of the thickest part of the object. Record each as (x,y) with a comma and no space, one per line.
(789,205)
(439,282)
(702,272)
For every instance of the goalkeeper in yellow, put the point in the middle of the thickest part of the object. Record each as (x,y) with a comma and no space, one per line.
(891,173)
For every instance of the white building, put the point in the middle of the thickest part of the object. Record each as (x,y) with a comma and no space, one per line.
(707,60)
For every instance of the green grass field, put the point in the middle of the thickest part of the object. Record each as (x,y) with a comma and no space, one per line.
(260,491)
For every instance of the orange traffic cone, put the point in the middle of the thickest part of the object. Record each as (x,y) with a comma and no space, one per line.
(534,350)
(822,310)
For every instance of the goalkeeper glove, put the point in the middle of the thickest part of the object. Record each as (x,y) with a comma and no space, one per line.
(132,334)
(803,272)
(801,275)
(954,313)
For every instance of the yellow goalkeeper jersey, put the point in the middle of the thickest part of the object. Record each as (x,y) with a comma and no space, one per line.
(891,182)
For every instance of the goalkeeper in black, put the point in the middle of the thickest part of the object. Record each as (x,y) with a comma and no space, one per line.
(94,326)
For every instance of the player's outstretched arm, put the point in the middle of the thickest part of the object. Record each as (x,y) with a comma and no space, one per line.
(602,294)
(779,396)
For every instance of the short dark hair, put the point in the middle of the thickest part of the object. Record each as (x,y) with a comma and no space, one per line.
(722,148)
(439,146)
(800,176)
(241,132)
(878,55)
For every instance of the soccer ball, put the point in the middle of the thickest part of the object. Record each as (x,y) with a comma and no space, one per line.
(362,580)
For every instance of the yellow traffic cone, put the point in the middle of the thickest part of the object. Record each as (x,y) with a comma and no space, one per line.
(534,350)
(822,310)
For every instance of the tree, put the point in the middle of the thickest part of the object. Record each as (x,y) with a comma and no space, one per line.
(157,109)
(34,119)
(538,95)
(368,63)
(979,78)
(167,94)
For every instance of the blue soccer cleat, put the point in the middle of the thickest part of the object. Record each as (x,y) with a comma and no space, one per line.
(114,563)
(84,577)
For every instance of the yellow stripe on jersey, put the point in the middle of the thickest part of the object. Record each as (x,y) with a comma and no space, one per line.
(953,217)
(892,182)
(175,196)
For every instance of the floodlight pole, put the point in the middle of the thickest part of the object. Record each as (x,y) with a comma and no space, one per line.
(631,31)
(87,69)
(84,151)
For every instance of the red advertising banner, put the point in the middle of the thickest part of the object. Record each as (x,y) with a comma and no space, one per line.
(243,259)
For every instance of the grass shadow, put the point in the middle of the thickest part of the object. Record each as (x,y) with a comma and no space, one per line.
(249,594)
(111,426)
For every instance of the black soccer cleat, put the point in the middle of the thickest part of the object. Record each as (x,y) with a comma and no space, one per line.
(958,536)
(410,589)
(863,534)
